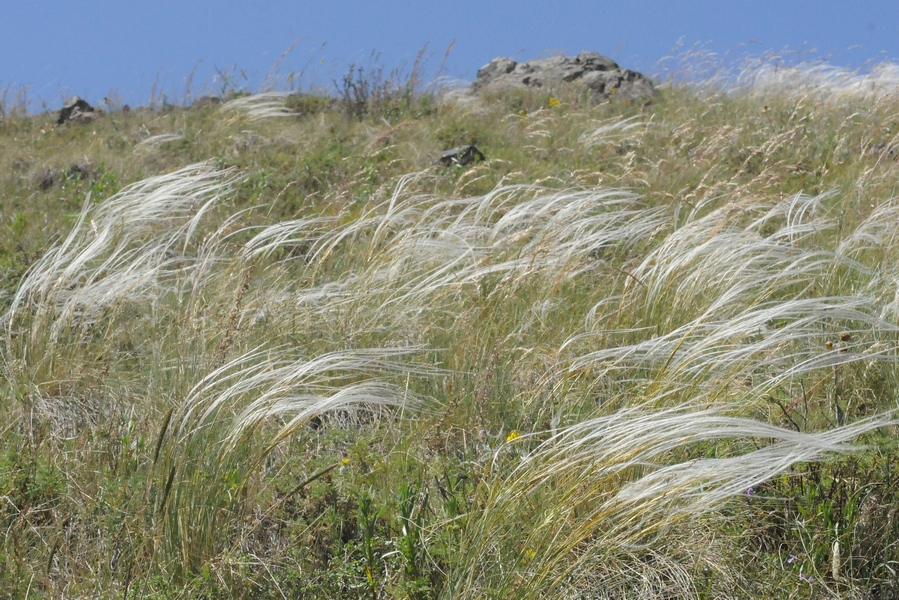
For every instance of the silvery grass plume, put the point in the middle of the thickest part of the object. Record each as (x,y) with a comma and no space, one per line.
(774,78)
(612,131)
(150,144)
(122,259)
(122,248)
(555,236)
(735,322)
(605,491)
(295,234)
(211,451)
(264,383)
(258,107)
(417,256)
(874,243)
(720,313)
(137,250)
(134,260)
(876,234)
(722,253)
(744,360)
(769,77)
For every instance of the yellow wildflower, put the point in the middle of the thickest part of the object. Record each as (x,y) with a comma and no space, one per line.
(514,434)
(345,461)
(555,102)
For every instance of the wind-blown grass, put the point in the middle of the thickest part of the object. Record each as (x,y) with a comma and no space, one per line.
(519,391)
(416,263)
(256,107)
(768,78)
(604,491)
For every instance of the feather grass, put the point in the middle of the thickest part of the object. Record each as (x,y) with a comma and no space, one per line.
(664,356)
(259,107)
(604,489)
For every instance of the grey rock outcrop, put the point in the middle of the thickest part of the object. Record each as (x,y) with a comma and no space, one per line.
(602,76)
(75,109)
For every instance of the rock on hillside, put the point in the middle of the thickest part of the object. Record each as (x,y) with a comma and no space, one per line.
(599,74)
(77,110)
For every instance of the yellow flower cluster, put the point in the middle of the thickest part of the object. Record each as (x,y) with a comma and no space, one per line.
(514,434)
(554,102)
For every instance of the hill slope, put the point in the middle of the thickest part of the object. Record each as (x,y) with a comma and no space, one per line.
(273,348)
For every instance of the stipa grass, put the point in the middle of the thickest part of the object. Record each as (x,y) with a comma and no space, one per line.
(602,497)
(106,284)
(516,392)
(212,447)
(401,268)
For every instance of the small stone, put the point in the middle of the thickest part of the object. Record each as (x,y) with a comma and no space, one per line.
(75,109)
(461,155)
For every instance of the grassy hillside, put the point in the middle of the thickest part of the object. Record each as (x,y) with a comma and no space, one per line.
(270,348)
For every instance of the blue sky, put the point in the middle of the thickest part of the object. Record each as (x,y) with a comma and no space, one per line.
(141,48)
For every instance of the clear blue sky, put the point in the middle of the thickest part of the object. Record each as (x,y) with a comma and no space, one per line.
(131,47)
